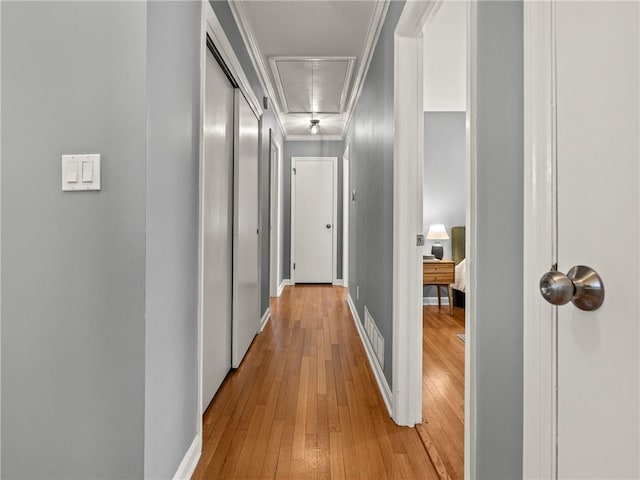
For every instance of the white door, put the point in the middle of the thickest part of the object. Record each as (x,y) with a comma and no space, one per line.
(313,207)
(598,155)
(246,282)
(217,229)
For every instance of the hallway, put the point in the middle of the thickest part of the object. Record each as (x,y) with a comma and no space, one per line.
(305,405)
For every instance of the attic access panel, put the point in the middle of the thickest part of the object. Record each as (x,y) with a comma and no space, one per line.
(328,86)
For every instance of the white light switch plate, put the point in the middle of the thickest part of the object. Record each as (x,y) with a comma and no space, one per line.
(81,172)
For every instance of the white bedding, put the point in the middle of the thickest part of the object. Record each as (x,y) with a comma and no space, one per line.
(461,276)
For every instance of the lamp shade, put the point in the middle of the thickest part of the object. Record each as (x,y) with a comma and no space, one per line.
(437,232)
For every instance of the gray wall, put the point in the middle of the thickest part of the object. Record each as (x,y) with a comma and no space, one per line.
(370,140)
(173,126)
(444,194)
(499,201)
(309,149)
(73,264)
(268,121)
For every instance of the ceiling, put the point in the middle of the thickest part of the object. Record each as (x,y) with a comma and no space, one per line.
(311,56)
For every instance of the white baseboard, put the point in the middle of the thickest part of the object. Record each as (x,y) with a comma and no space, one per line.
(284,283)
(383,386)
(190,460)
(434,301)
(338,282)
(265,318)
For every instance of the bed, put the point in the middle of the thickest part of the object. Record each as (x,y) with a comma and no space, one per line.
(458,253)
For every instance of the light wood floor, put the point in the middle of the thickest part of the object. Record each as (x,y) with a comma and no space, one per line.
(442,429)
(304,404)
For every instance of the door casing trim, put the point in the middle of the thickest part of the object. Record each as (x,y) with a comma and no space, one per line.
(539,336)
(275,217)
(346,205)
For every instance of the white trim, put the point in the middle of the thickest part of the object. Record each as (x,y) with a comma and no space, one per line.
(265,318)
(346,206)
(339,282)
(0,235)
(200,306)
(407,221)
(471,250)
(220,40)
(190,461)
(275,182)
(373,33)
(241,17)
(381,380)
(314,138)
(434,301)
(539,400)
(334,234)
(285,283)
(334,223)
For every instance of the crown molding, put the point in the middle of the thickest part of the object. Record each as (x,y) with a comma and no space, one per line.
(257,60)
(216,33)
(241,17)
(373,33)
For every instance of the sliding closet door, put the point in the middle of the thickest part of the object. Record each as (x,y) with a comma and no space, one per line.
(246,300)
(217,228)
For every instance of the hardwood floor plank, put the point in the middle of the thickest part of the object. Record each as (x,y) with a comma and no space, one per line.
(304,404)
(336,456)
(442,430)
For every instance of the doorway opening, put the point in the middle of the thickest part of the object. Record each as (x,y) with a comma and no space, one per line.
(275,217)
(444,223)
(418,279)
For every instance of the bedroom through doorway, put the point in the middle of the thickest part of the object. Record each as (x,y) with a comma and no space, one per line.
(444,207)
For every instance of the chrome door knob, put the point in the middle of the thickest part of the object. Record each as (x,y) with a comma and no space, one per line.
(556,288)
(581,285)
(328,225)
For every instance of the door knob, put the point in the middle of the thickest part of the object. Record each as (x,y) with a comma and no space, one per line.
(581,285)
(328,225)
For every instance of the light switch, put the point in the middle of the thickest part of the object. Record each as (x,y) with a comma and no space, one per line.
(72,172)
(81,172)
(87,172)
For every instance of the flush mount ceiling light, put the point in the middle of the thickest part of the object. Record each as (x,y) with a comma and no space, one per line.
(314,127)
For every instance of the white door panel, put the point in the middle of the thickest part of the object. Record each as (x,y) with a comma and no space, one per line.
(598,104)
(246,300)
(313,224)
(217,226)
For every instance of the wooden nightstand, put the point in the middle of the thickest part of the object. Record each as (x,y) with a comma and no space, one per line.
(441,274)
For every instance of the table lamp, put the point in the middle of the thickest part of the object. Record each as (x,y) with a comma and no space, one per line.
(437,232)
